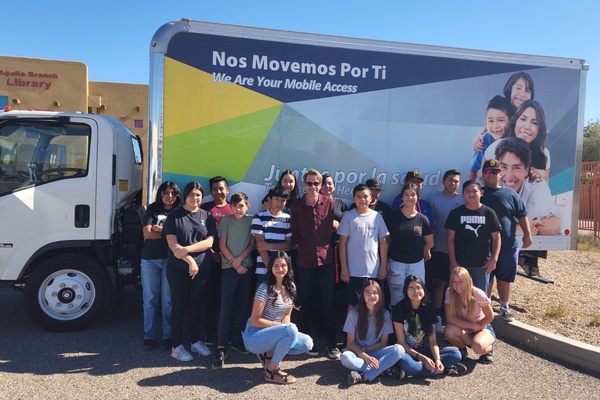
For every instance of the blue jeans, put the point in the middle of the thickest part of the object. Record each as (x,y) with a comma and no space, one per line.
(401,271)
(387,356)
(235,292)
(481,280)
(449,356)
(281,339)
(155,293)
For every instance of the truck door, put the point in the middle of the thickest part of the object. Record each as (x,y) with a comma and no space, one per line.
(47,187)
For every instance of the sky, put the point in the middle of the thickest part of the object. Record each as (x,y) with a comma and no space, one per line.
(113,37)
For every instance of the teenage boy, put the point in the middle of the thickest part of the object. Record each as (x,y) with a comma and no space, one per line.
(511,212)
(311,218)
(438,268)
(376,187)
(218,208)
(363,245)
(497,120)
(473,232)
(514,155)
(236,244)
(416,177)
(271,229)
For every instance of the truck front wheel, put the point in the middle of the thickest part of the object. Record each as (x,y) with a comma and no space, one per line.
(64,293)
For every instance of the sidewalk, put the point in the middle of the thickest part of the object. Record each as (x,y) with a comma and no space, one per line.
(565,349)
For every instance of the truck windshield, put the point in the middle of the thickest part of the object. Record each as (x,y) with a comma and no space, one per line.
(36,153)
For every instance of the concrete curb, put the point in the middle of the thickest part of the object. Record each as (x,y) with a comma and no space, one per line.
(565,349)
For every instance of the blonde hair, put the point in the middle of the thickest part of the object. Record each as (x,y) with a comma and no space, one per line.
(466,300)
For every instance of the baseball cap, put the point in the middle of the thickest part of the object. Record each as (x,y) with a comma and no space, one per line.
(414,174)
(491,164)
(373,183)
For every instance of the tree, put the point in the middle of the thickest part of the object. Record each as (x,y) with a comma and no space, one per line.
(591,141)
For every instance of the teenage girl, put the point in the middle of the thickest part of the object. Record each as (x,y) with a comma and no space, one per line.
(288,181)
(414,323)
(368,326)
(468,315)
(269,332)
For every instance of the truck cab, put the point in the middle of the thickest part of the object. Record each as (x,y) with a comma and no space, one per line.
(69,184)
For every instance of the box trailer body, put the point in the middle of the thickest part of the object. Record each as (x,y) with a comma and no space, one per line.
(247,103)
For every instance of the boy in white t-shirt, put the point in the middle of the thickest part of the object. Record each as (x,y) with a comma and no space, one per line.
(363,245)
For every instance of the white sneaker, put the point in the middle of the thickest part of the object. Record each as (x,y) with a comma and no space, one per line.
(180,353)
(439,328)
(200,348)
(506,314)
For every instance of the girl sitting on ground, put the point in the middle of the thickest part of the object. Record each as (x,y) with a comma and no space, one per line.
(414,323)
(468,315)
(368,326)
(269,332)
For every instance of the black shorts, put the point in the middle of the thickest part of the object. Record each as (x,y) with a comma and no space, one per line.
(440,266)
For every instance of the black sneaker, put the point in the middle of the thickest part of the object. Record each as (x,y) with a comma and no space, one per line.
(487,358)
(464,353)
(461,368)
(210,340)
(149,344)
(239,347)
(451,371)
(313,352)
(220,360)
(334,353)
(455,370)
(167,344)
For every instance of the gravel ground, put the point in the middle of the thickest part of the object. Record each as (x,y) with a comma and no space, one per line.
(571,305)
(106,361)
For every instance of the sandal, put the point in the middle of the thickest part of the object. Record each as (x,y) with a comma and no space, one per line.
(355,377)
(264,360)
(284,378)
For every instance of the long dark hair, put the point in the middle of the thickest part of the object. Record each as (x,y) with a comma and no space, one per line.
(288,279)
(362,325)
(513,79)
(162,189)
(538,157)
(413,187)
(410,311)
(294,193)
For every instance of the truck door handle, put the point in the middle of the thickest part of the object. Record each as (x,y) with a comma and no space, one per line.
(82,216)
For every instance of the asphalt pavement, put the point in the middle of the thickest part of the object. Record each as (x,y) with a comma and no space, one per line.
(106,361)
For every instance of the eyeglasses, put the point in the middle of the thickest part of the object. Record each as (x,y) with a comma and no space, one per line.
(310,184)
(491,171)
(167,194)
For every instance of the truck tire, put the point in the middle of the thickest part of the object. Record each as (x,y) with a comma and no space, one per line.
(64,293)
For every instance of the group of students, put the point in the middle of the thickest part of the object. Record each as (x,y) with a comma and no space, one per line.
(189,251)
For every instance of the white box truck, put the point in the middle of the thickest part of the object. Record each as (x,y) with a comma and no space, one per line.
(70,206)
